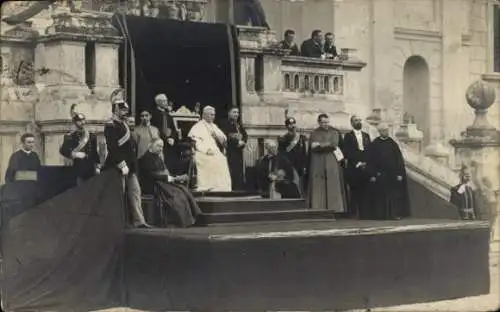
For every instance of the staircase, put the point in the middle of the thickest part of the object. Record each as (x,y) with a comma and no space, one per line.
(229,209)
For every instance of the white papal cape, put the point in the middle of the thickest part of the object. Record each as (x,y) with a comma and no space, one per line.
(212,170)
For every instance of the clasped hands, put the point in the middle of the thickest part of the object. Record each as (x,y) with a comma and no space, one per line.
(79,155)
(181,178)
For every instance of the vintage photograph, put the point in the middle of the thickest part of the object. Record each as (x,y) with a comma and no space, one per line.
(249,155)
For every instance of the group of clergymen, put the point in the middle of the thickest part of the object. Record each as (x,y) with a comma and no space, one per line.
(332,171)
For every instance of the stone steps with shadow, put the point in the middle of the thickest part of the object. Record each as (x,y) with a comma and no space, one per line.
(239,207)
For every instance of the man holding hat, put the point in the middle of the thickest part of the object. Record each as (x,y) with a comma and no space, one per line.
(122,156)
(80,146)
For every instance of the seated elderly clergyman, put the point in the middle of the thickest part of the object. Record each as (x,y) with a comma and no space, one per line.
(174,198)
(211,163)
(276,176)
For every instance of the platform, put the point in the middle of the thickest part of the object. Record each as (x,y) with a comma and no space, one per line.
(306,265)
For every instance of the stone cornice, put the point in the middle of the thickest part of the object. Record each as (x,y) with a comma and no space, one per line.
(475,143)
(80,37)
(63,126)
(13,126)
(491,77)
(311,62)
(12,40)
(417,34)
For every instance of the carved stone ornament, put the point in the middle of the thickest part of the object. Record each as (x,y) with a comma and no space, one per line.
(480,96)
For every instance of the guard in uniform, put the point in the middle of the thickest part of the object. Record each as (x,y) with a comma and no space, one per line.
(122,156)
(80,146)
(293,146)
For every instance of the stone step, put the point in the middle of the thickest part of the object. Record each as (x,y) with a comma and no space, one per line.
(209,205)
(263,216)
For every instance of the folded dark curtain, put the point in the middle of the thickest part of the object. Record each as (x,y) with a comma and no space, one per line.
(64,254)
(189,61)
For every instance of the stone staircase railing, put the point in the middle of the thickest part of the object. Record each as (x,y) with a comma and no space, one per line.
(433,175)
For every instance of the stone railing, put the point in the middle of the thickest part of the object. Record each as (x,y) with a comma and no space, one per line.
(315,76)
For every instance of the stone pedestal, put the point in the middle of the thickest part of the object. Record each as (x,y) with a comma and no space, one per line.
(439,152)
(79,58)
(479,149)
(17,92)
(410,135)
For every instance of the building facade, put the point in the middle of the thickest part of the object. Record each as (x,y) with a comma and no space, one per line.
(407,58)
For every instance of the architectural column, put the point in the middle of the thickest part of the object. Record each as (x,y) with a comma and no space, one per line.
(381,31)
(479,149)
(17,91)
(79,59)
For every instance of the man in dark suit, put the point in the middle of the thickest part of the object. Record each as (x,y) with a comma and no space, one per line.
(330,49)
(80,145)
(122,156)
(313,47)
(354,147)
(288,43)
(463,196)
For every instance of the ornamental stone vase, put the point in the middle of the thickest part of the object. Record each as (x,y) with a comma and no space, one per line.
(480,96)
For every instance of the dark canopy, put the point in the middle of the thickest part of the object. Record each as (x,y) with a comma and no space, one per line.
(189,61)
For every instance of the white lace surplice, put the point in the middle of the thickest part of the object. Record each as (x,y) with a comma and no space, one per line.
(212,170)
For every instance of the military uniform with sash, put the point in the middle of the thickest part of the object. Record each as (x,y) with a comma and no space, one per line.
(80,146)
(122,156)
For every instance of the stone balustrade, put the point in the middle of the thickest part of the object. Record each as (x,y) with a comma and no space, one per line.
(316,76)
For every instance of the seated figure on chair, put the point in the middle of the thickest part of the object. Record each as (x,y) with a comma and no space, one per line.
(211,162)
(173,199)
(185,164)
(276,176)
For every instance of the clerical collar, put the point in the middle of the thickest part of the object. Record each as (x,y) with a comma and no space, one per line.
(25,151)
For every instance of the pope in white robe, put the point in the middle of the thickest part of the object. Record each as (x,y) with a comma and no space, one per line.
(211,163)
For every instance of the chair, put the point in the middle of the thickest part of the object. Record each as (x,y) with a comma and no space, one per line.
(184,119)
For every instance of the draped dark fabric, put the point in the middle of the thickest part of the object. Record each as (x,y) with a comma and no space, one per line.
(64,254)
(188,61)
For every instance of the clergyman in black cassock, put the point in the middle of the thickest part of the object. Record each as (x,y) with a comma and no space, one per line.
(80,145)
(293,146)
(276,176)
(168,132)
(390,197)
(175,199)
(23,170)
(463,196)
(237,140)
(354,146)
(122,156)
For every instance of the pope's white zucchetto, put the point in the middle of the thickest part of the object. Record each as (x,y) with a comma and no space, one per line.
(208,109)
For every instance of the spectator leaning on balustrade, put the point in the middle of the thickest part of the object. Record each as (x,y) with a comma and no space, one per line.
(313,47)
(288,43)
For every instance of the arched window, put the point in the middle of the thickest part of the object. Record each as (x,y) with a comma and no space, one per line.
(287,82)
(316,83)
(296,82)
(306,82)
(416,93)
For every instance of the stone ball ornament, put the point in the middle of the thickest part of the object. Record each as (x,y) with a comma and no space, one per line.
(480,95)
